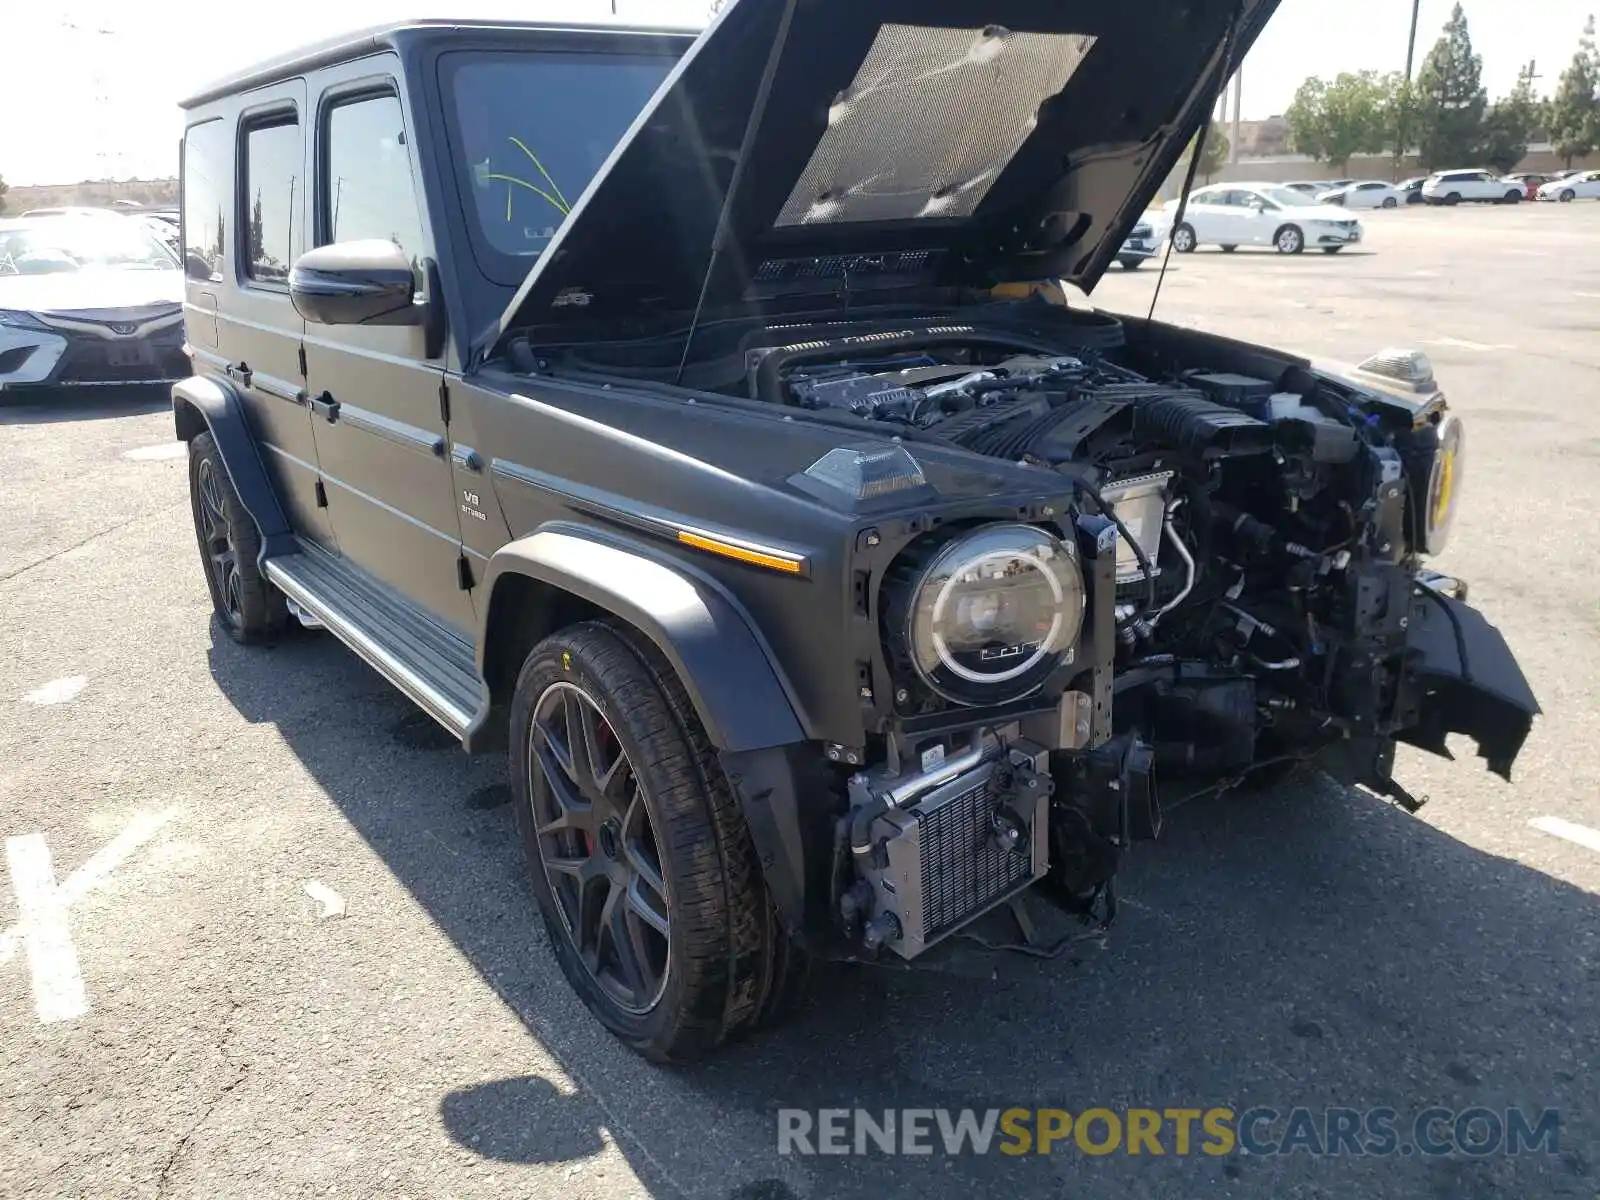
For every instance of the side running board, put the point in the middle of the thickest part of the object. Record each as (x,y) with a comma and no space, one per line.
(431,664)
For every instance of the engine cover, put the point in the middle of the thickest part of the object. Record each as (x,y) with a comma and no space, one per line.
(959,851)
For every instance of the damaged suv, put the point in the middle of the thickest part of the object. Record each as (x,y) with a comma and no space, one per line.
(718,425)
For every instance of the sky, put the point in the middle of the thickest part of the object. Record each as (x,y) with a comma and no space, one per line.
(110,74)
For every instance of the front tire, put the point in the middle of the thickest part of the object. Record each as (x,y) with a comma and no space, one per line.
(1289,240)
(1183,239)
(1453,198)
(248,607)
(1390,202)
(638,854)
(1131,264)
(1513,197)
(1568,195)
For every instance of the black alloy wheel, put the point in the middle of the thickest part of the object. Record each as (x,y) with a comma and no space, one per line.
(638,854)
(249,608)
(598,848)
(216,542)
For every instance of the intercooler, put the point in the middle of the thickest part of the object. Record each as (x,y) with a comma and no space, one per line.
(965,847)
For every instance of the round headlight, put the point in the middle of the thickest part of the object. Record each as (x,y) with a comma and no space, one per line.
(992,613)
(1444,484)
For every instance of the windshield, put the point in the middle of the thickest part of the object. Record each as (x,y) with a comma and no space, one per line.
(58,245)
(1287,197)
(530,131)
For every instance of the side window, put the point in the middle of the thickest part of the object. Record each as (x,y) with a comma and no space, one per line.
(206,168)
(271,198)
(366,189)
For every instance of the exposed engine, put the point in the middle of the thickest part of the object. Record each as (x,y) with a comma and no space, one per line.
(1266,563)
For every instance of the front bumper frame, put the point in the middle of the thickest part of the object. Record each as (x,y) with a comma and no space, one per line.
(1468,681)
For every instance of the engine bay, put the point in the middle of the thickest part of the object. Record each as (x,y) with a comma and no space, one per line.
(1268,527)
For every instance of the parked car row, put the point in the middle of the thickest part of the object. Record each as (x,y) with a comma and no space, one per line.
(88,297)
(1231,215)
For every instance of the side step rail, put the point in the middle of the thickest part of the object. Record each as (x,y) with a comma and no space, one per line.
(432,665)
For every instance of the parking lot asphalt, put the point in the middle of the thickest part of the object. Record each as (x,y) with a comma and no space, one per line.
(308,964)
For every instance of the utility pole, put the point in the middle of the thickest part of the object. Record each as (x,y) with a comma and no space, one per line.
(1411,42)
(1238,105)
(1403,133)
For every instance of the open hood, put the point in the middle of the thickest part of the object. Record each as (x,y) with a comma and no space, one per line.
(882,149)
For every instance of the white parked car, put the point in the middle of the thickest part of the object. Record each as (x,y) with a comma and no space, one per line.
(1366,193)
(1452,187)
(1231,215)
(1578,186)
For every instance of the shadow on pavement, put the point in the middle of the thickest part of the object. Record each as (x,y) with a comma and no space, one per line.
(50,405)
(1307,947)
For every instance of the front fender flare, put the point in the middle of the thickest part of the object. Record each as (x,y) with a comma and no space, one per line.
(201,403)
(736,689)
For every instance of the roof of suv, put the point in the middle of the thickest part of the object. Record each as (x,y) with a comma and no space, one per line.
(361,42)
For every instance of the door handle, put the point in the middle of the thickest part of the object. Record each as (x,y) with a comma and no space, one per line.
(240,372)
(325,406)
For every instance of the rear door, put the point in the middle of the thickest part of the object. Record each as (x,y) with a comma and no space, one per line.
(375,391)
(1208,214)
(243,224)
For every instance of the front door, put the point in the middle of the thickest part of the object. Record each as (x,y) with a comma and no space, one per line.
(374,390)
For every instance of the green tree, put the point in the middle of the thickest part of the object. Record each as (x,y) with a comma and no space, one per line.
(1215,151)
(258,239)
(1508,126)
(1354,114)
(1450,97)
(1574,116)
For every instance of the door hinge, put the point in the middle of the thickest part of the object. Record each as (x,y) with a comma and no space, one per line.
(444,402)
(463,573)
(303,371)
(322,495)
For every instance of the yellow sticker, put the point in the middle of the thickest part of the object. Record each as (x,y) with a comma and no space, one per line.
(566,660)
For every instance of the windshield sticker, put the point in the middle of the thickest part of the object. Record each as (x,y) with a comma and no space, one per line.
(930,121)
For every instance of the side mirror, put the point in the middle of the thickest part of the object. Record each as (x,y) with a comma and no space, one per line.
(356,283)
(196,267)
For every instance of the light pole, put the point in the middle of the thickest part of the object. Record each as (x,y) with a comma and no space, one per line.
(1403,133)
(1411,42)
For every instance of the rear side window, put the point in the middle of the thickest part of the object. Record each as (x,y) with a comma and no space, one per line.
(271,198)
(366,189)
(206,169)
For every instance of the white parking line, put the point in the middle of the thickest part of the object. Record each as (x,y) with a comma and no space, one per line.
(58,993)
(42,906)
(1581,835)
(332,903)
(57,691)
(152,453)
(1464,344)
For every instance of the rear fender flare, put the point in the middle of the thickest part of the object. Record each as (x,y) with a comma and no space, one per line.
(201,404)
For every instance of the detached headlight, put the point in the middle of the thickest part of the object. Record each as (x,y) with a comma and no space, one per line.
(1444,484)
(991,615)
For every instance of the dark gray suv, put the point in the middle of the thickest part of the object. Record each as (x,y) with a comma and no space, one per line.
(717,424)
